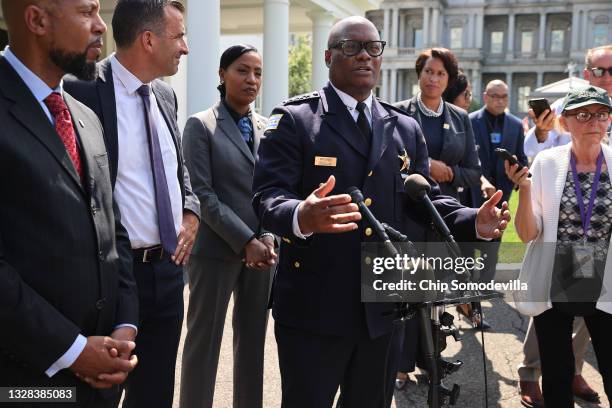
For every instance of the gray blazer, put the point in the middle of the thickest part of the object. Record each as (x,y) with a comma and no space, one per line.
(221,168)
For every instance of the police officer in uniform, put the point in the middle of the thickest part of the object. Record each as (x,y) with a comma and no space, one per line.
(315,147)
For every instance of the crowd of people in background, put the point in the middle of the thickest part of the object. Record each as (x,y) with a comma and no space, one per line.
(120,203)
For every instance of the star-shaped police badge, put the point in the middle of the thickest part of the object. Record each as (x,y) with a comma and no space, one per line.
(405,161)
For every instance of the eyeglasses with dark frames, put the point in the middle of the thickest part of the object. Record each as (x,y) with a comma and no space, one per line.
(496,96)
(598,72)
(584,117)
(350,48)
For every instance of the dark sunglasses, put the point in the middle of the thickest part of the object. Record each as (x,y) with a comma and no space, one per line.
(351,48)
(598,72)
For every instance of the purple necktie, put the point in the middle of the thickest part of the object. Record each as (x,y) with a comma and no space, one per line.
(165,220)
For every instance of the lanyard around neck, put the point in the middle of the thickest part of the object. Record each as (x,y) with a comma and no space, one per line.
(585,216)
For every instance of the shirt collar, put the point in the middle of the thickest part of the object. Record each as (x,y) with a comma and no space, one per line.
(350,102)
(129,80)
(37,86)
(235,115)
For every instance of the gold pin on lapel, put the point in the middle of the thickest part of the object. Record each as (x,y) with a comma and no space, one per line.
(446,126)
(259,125)
(405,161)
(81,123)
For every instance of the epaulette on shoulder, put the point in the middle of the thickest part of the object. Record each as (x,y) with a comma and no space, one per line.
(393,108)
(302,98)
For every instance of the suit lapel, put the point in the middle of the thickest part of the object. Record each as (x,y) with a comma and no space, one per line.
(82,130)
(339,119)
(165,107)
(108,107)
(227,125)
(507,141)
(448,135)
(383,126)
(484,131)
(27,111)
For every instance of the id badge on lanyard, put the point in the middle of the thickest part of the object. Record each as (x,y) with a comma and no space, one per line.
(583,253)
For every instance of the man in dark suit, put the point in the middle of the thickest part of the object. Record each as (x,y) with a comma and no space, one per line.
(63,287)
(149,178)
(493,128)
(320,144)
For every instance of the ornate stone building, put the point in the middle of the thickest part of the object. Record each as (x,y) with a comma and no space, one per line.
(526,43)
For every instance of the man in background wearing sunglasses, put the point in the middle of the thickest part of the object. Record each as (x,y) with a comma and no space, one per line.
(315,147)
(598,71)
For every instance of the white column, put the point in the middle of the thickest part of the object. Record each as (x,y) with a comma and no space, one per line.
(178,82)
(393,90)
(540,80)
(384,91)
(425,27)
(276,54)
(575,28)
(402,32)
(584,28)
(400,85)
(510,36)
(322,22)
(470,35)
(395,28)
(203,60)
(476,80)
(434,26)
(542,41)
(479,29)
(386,24)
(510,91)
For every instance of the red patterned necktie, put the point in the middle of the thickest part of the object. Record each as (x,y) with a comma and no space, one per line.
(64,128)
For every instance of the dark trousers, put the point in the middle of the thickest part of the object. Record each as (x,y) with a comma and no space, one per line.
(314,365)
(554,332)
(160,293)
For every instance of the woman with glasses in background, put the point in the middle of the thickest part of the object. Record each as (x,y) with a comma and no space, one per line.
(564,214)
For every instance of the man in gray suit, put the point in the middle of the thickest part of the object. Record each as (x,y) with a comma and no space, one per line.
(231,255)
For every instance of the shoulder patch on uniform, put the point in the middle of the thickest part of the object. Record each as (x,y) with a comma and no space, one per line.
(301,98)
(273,121)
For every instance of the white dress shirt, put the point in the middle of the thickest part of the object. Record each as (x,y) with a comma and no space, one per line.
(134,188)
(351,106)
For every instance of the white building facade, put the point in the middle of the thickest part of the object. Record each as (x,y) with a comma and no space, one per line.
(269,21)
(526,43)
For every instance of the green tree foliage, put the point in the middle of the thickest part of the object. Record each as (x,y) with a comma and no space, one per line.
(300,67)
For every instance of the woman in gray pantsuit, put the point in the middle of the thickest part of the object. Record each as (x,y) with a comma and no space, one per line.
(231,255)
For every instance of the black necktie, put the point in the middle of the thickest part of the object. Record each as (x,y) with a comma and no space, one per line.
(165,219)
(363,123)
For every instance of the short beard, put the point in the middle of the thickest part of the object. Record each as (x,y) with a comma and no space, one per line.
(74,63)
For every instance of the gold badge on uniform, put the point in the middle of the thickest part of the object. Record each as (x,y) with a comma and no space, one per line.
(325,161)
(405,161)
(446,126)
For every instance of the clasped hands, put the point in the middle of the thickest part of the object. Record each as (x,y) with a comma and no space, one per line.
(260,253)
(107,361)
(336,213)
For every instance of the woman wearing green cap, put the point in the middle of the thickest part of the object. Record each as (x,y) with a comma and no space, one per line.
(564,213)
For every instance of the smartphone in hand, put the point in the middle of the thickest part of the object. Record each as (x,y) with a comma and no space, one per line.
(505,155)
(539,106)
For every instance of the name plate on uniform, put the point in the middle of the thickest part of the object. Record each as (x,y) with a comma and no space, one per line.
(325,161)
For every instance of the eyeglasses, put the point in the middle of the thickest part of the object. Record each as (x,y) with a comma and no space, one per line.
(351,48)
(598,72)
(496,96)
(584,117)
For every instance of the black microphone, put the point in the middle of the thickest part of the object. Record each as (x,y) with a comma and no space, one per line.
(357,198)
(417,188)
